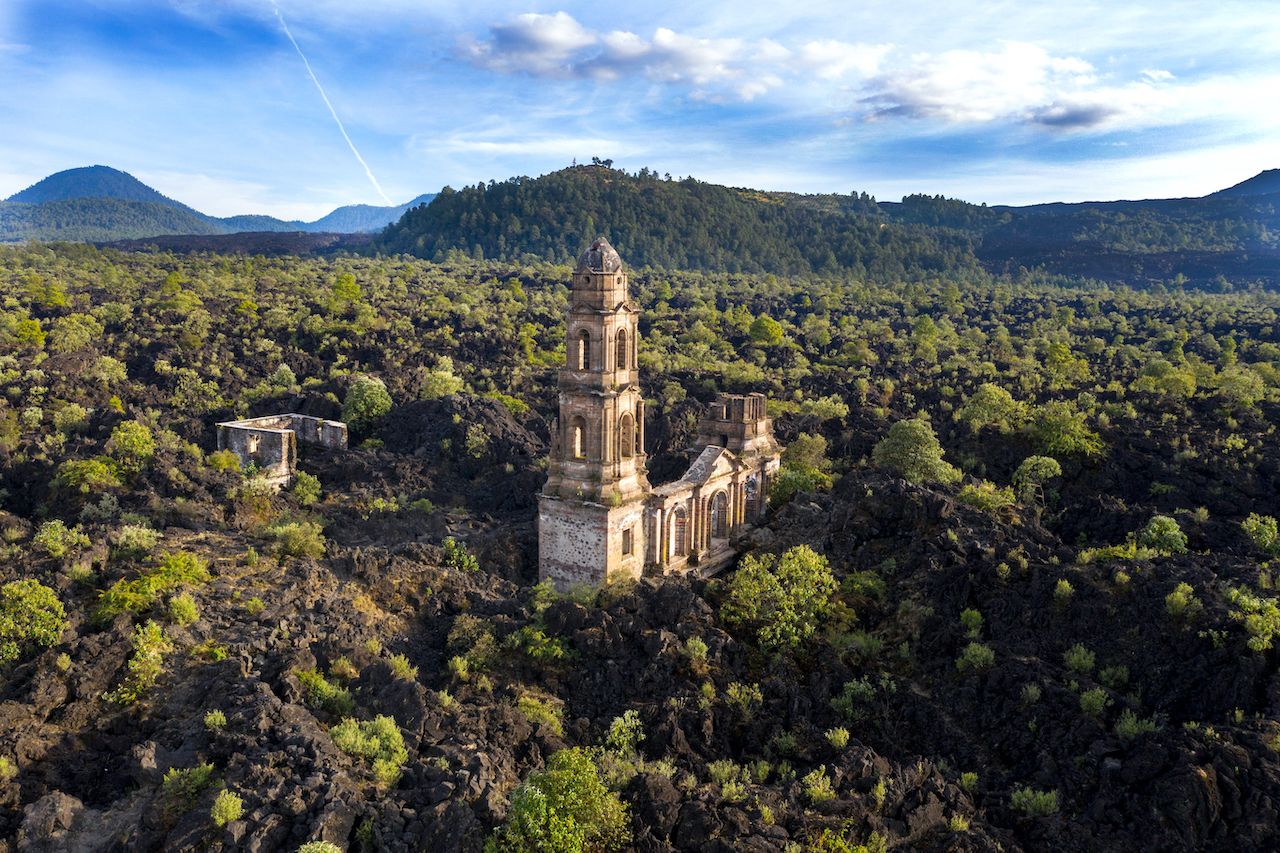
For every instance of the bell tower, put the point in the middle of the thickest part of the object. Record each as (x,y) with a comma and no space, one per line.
(591,508)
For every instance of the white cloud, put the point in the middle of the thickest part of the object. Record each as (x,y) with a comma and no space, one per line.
(710,68)
(229,196)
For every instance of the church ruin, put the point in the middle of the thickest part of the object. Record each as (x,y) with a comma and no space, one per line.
(270,443)
(597,514)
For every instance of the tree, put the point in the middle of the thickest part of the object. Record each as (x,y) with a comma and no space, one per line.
(1163,534)
(367,403)
(30,615)
(912,451)
(1031,476)
(345,289)
(779,600)
(1060,430)
(991,406)
(765,331)
(565,807)
(132,445)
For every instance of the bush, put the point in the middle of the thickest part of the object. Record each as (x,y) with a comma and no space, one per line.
(1031,476)
(971,621)
(817,786)
(1262,532)
(912,451)
(1182,602)
(779,601)
(132,445)
(402,669)
(149,648)
(320,847)
(85,476)
(223,460)
(791,481)
(58,540)
(30,616)
(565,807)
(306,488)
(1079,659)
(1261,617)
(975,657)
(1163,534)
(1033,803)
(1094,701)
(991,406)
(141,593)
(135,540)
(215,720)
(1129,726)
(226,808)
(378,741)
(838,737)
(297,539)
(854,698)
(546,710)
(456,557)
(985,496)
(319,692)
(183,610)
(367,402)
(1060,430)
(181,787)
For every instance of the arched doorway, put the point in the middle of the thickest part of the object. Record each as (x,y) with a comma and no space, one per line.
(679,532)
(720,516)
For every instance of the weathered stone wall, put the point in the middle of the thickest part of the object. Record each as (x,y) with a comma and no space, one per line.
(271,442)
(572,542)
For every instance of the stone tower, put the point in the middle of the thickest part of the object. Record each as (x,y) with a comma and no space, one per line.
(591,512)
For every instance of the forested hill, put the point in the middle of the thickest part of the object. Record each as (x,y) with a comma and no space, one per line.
(684,224)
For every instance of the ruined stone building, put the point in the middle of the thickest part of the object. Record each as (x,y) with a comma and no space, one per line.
(597,514)
(271,443)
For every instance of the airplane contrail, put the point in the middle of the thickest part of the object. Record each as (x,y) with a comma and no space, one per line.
(327,103)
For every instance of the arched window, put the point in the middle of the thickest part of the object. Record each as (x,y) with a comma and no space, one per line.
(578,438)
(679,532)
(622,349)
(254,441)
(753,497)
(584,350)
(626,437)
(720,516)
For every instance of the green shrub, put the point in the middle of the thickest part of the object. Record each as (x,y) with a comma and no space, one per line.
(854,698)
(1262,532)
(367,402)
(306,488)
(223,460)
(969,781)
(182,787)
(565,807)
(1062,591)
(378,741)
(1079,659)
(183,610)
(456,557)
(985,496)
(297,539)
(226,808)
(145,665)
(1261,616)
(1059,429)
(215,720)
(745,697)
(402,669)
(975,658)
(1129,726)
(134,596)
(132,445)
(1163,534)
(31,616)
(779,601)
(547,710)
(537,646)
(319,692)
(88,476)
(818,787)
(790,481)
(1032,474)
(1182,602)
(991,406)
(625,734)
(58,540)
(8,770)
(912,451)
(1093,702)
(1033,803)
(134,540)
(971,621)
(838,737)
(320,847)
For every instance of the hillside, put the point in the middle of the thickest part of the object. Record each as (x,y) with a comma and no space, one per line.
(683,224)
(101,204)
(693,225)
(1263,183)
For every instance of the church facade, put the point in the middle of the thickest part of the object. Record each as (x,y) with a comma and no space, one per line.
(598,517)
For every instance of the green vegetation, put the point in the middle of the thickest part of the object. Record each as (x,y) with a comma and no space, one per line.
(377,741)
(912,451)
(779,601)
(31,616)
(226,808)
(141,593)
(1033,803)
(145,664)
(564,807)
(366,403)
(320,692)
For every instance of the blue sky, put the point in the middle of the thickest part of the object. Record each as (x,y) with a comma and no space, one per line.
(997,102)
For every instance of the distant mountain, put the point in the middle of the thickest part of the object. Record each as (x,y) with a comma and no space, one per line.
(358,218)
(101,204)
(1263,183)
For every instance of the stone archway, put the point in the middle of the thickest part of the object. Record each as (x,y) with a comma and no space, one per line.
(720,516)
(679,532)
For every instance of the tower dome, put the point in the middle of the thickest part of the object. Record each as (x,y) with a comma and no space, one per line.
(599,257)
